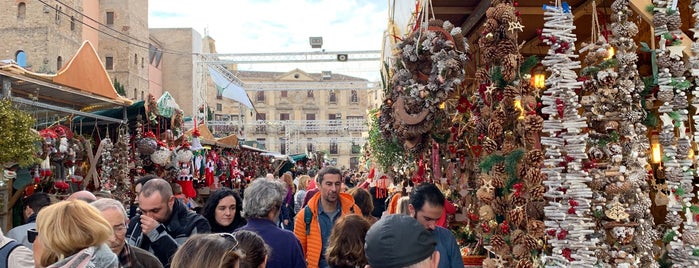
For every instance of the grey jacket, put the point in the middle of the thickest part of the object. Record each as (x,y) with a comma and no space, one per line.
(92,257)
(19,234)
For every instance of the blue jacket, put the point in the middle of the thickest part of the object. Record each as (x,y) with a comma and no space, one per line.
(286,248)
(449,252)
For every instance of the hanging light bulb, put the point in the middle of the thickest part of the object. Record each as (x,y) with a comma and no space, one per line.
(610,53)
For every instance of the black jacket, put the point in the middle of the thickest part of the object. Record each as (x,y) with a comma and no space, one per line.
(164,240)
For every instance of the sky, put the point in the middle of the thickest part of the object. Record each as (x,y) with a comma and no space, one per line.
(268,26)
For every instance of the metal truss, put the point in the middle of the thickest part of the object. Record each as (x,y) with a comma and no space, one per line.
(320,85)
(291,57)
(303,126)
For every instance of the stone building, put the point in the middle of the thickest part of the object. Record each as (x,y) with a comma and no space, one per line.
(40,36)
(307,120)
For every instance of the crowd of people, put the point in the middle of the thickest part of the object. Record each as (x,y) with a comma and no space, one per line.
(328,219)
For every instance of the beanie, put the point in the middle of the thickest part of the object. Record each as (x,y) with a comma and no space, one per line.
(396,241)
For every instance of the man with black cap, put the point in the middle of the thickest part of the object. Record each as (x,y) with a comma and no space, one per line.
(397,241)
(426,206)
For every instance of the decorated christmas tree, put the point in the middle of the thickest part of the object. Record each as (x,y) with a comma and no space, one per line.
(506,125)
(568,214)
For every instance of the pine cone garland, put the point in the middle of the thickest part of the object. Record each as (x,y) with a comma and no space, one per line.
(499,168)
(524,263)
(499,205)
(673,219)
(489,146)
(516,217)
(521,252)
(499,181)
(494,130)
(535,158)
(534,176)
(533,123)
(537,192)
(497,242)
(659,19)
(674,22)
(530,242)
(535,209)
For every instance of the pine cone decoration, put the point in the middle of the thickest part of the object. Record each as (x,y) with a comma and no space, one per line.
(482,76)
(666,138)
(489,146)
(486,213)
(659,19)
(499,205)
(533,123)
(535,209)
(536,228)
(498,116)
(691,237)
(498,181)
(524,263)
(499,168)
(677,68)
(674,22)
(518,200)
(673,174)
(516,216)
(534,176)
(535,158)
(597,184)
(530,242)
(617,188)
(666,95)
(490,263)
(673,219)
(537,192)
(497,242)
(664,61)
(495,130)
(508,146)
(521,252)
(502,13)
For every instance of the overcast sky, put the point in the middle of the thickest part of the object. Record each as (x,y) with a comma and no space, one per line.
(266,26)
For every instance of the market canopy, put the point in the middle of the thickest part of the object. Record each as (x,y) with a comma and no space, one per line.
(231,140)
(167,105)
(229,88)
(205,135)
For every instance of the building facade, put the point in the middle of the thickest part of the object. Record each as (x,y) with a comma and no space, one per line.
(40,35)
(314,119)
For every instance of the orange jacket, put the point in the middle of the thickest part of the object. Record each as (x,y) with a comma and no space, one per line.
(312,243)
(393,205)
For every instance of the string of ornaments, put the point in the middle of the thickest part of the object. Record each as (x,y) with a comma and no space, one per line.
(510,193)
(691,228)
(569,221)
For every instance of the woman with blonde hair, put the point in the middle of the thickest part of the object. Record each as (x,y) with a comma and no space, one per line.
(72,234)
(346,242)
(219,250)
(301,192)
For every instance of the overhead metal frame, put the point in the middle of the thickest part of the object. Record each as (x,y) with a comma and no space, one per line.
(291,57)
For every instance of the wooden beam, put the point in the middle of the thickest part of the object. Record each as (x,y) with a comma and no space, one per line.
(639,6)
(453,10)
(470,24)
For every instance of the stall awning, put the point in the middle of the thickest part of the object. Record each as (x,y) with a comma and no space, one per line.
(231,140)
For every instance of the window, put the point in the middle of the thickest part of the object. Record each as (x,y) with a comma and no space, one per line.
(310,124)
(58,13)
(334,122)
(355,123)
(135,93)
(282,146)
(354,98)
(72,23)
(219,93)
(219,107)
(143,95)
(143,63)
(260,96)
(261,124)
(21,58)
(309,94)
(333,147)
(333,97)
(354,163)
(356,148)
(285,93)
(21,10)
(59,63)
(135,59)
(284,117)
(110,18)
(109,63)
(309,145)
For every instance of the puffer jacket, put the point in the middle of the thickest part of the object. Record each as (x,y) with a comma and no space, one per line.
(312,244)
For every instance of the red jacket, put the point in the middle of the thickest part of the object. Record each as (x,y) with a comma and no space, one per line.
(312,243)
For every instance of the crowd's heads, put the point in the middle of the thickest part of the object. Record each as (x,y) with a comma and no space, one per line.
(426,204)
(82,195)
(208,250)
(254,247)
(403,205)
(138,184)
(288,179)
(156,199)
(223,208)
(113,211)
(397,241)
(67,227)
(362,198)
(35,202)
(262,197)
(346,242)
(328,170)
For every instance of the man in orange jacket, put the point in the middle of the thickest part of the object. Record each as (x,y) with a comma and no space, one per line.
(314,223)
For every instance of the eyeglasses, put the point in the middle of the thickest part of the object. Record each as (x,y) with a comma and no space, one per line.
(230,237)
(31,235)
(120,229)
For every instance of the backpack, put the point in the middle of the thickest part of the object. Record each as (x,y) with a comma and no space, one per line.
(6,250)
(308,217)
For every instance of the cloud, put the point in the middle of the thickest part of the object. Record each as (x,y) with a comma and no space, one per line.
(254,26)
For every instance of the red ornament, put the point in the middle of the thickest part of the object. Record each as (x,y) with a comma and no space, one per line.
(485,227)
(567,254)
(472,216)
(515,4)
(505,227)
(562,234)
(571,211)
(61,185)
(573,203)
(551,232)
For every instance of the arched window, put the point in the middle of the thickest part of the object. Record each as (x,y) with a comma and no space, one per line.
(21,58)
(21,10)
(59,63)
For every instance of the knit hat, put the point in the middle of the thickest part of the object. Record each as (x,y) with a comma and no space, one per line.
(398,240)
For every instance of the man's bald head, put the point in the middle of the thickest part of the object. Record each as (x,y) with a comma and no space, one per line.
(83,195)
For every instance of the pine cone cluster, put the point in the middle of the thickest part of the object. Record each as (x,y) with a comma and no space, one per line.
(533,123)
(674,22)
(659,19)
(673,219)
(495,130)
(535,158)
(489,146)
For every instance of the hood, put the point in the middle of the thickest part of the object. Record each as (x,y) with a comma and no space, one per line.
(92,257)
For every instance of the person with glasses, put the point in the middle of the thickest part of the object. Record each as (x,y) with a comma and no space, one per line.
(426,206)
(165,222)
(261,207)
(113,211)
(208,251)
(72,234)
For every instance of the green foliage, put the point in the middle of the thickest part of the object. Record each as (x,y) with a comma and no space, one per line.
(528,64)
(119,87)
(593,70)
(669,236)
(683,85)
(386,152)
(651,119)
(497,78)
(510,166)
(650,8)
(18,143)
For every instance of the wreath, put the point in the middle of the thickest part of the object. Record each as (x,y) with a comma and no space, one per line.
(428,66)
